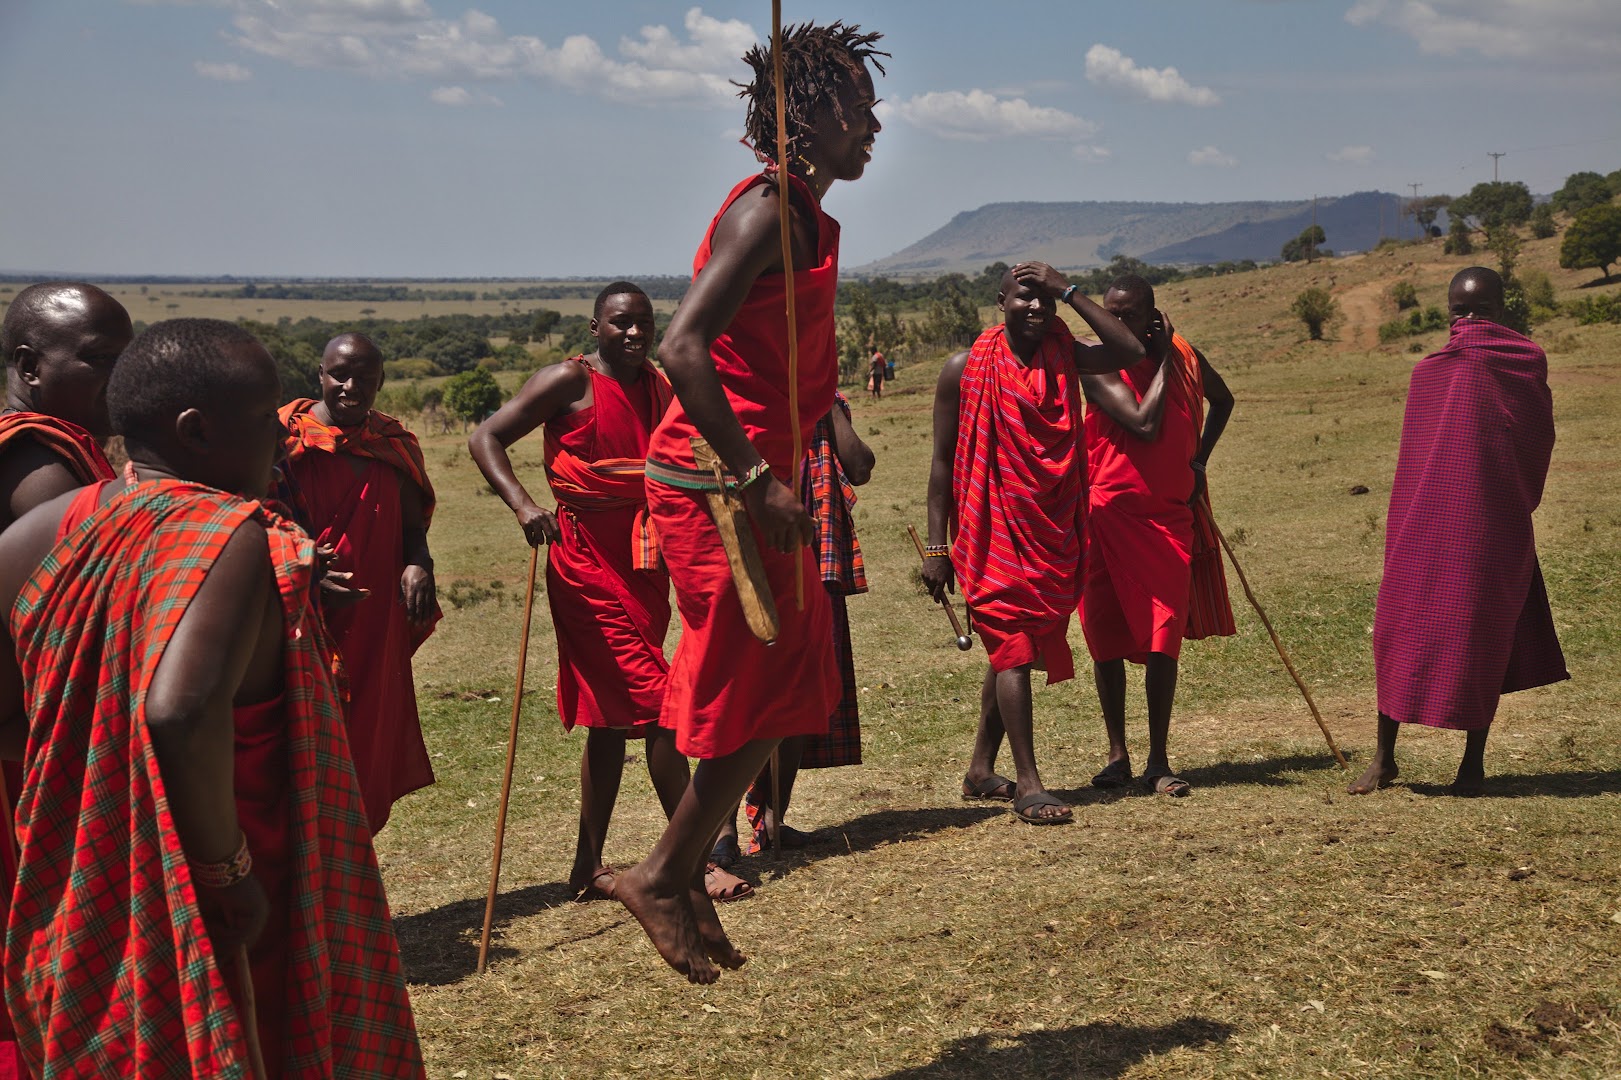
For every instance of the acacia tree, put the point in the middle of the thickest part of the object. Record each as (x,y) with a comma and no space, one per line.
(1505,202)
(1593,240)
(1582,190)
(1315,307)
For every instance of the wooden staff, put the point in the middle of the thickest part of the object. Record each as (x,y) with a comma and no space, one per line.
(512,752)
(1276,641)
(250,1014)
(964,642)
(787,236)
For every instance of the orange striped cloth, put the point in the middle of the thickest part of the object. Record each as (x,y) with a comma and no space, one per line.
(1210,610)
(613,483)
(380,437)
(71,441)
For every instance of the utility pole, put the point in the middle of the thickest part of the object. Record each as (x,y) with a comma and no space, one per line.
(1414,207)
(1494,158)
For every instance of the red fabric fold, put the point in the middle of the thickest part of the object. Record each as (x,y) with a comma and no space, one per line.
(1462,615)
(1019,479)
(109,968)
(380,437)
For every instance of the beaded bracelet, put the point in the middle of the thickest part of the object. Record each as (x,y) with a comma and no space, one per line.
(937,551)
(222,875)
(761,468)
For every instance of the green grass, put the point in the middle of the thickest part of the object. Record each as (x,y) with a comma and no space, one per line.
(1267,926)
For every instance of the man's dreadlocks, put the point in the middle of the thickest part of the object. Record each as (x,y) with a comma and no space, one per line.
(815,59)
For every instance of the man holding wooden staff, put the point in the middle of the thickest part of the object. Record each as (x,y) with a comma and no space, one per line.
(731,698)
(1009,472)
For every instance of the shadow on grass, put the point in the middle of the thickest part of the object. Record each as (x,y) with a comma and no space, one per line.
(1091,1050)
(1268,772)
(865,833)
(440,946)
(1557,785)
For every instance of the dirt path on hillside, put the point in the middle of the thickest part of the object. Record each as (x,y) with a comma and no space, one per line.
(1362,308)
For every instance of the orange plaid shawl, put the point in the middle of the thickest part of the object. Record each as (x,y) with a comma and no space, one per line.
(71,441)
(109,970)
(381,438)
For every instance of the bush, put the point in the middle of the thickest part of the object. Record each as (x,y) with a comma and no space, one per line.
(1538,290)
(472,395)
(410,369)
(1542,225)
(1592,310)
(1314,307)
(1414,322)
(1593,240)
(1458,241)
(1404,294)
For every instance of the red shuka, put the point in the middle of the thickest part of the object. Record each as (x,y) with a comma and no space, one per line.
(109,969)
(1139,524)
(610,610)
(82,454)
(1463,615)
(1019,480)
(726,687)
(346,484)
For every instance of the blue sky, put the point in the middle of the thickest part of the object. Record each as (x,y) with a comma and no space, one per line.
(437,138)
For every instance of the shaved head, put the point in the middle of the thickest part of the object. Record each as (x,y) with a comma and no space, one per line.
(54,307)
(61,340)
(1476,293)
(355,345)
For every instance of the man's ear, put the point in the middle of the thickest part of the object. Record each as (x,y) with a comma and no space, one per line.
(593,326)
(191,429)
(1001,298)
(25,359)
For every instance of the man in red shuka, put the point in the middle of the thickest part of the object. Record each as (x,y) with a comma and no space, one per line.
(1147,443)
(60,340)
(188,802)
(608,594)
(731,698)
(1009,479)
(355,479)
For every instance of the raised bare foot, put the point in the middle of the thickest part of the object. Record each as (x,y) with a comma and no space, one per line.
(717,946)
(1379,775)
(668,919)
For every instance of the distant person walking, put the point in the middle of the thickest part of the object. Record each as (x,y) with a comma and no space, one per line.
(877,370)
(1463,614)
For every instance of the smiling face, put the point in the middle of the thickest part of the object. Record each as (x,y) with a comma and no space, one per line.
(623,328)
(351,375)
(1026,312)
(840,146)
(70,352)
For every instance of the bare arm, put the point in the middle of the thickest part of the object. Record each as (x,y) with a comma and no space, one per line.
(22,547)
(937,573)
(1119,402)
(549,393)
(855,456)
(29,476)
(1220,397)
(417,590)
(1117,346)
(206,665)
(745,246)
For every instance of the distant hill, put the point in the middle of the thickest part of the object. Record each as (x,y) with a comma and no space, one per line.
(1083,234)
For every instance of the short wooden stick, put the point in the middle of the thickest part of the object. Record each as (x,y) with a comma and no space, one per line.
(250,1014)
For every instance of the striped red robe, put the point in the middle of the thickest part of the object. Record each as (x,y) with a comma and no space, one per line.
(109,969)
(81,453)
(1019,481)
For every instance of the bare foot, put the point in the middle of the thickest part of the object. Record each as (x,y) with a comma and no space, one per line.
(1379,775)
(669,921)
(717,946)
(1468,783)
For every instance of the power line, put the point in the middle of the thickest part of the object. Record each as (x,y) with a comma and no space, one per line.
(1494,157)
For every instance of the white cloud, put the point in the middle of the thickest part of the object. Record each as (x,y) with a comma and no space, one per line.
(404,39)
(1352,155)
(226,72)
(1209,155)
(1548,29)
(1084,152)
(1108,66)
(460,96)
(979,115)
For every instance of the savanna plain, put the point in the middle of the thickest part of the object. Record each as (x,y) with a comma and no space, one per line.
(1268,925)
